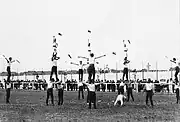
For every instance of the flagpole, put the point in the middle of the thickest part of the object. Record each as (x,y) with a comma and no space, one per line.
(142,70)
(34,74)
(17,74)
(61,76)
(25,75)
(42,74)
(171,71)
(148,70)
(156,70)
(116,67)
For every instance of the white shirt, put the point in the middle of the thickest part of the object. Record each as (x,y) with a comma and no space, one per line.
(54,62)
(91,60)
(9,63)
(121,84)
(49,85)
(120,97)
(149,86)
(8,85)
(125,65)
(80,66)
(176,87)
(60,86)
(80,84)
(91,87)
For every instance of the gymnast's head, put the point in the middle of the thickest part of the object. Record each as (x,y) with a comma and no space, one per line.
(92,55)
(10,58)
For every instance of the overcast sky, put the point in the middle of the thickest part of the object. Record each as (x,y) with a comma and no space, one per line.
(27,27)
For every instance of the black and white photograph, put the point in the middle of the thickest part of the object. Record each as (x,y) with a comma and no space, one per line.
(89,60)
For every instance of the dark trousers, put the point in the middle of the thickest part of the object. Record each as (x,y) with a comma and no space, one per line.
(54,70)
(80,74)
(125,73)
(149,95)
(176,76)
(129,93)
(9,73)
(87,95)
(8,94)
(50,93)
(80,91)
(121,90)
(92,99)
(60,96)
(177,95)
(91,72)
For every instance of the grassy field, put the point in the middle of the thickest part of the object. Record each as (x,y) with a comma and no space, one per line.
(29,106)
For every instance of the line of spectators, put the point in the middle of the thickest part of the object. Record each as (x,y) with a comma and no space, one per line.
(72,85)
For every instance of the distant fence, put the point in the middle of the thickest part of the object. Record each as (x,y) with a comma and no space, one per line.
(105,87)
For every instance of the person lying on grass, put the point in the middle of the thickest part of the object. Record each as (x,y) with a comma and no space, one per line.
(120,98)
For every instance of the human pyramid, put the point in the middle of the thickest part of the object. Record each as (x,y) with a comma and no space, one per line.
(91,61)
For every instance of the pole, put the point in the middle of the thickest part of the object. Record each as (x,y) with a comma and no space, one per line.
(156,70)
(61,76)
(17,74)
(25,75)
(42,74)
(34,75)
(148,69)
(142,70)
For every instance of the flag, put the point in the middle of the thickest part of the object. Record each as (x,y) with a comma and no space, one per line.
(114,53)
(69,56)
(89,31)
(60,34)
